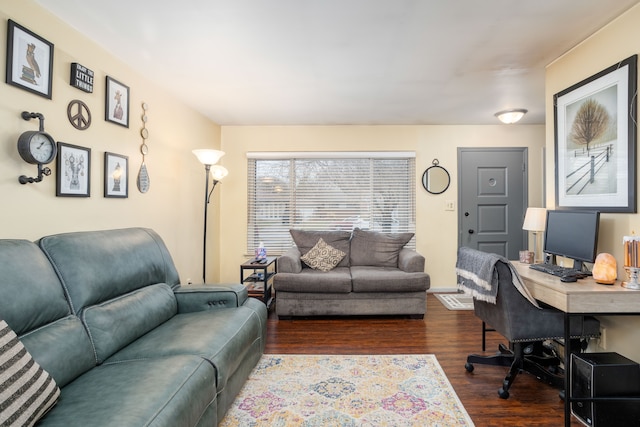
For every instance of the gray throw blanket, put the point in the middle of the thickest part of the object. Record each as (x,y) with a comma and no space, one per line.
(478,276)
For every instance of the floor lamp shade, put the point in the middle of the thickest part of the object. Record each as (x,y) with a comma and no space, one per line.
(208,157)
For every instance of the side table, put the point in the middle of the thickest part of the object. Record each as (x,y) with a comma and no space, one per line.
(259,282)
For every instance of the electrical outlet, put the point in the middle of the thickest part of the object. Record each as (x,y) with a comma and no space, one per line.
(602,341)
(450,205)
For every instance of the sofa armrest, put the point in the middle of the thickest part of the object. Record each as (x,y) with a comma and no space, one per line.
(289,262)
(410,261)
(210,297)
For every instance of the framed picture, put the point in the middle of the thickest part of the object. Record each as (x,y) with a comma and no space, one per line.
(29,60)
(595,141)
(116,175)
(74,171)
(117,103)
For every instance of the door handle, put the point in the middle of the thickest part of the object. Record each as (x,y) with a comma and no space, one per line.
(471,231)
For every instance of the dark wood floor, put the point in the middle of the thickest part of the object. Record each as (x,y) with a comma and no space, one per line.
(450,335)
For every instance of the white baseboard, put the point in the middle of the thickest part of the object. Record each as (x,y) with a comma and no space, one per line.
(442,290)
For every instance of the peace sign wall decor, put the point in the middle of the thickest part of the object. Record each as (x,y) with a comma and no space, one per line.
(79,115)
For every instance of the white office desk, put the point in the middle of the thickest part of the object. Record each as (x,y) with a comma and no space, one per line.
(584,297)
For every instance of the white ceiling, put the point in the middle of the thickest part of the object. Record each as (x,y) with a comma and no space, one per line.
(324,62)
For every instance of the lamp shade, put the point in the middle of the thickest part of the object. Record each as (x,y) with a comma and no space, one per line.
(208,157)
(535,219)
(511,116)
(218,172)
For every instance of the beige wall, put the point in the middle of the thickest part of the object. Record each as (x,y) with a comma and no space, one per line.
(436,229)
(617,41)
(174,204)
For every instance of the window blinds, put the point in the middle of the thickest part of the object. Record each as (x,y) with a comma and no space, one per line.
(328,191)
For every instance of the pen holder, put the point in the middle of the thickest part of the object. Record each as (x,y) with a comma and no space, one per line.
(633,273)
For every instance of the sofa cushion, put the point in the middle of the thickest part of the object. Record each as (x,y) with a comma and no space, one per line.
(118,322)
(96,266)
(27,392)
(306,240)
(164,392)
(62,348)
(377,249)
(221,336)
(322,256)
(337,280)
(387,279)
(31,294)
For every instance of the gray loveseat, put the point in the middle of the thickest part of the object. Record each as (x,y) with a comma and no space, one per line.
(104,314)
(376,275)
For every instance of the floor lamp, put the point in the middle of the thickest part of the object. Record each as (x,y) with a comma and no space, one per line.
(209,158)
(535,220)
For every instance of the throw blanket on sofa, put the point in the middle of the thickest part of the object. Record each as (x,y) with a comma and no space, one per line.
(478,276)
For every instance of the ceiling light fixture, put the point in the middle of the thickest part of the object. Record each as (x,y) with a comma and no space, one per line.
(511,116)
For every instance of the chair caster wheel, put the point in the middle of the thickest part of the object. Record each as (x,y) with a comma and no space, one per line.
(468,366)
(504,394)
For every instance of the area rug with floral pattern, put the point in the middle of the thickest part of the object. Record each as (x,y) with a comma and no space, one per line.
(347,390)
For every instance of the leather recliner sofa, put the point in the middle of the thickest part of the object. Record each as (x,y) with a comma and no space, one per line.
(104,314)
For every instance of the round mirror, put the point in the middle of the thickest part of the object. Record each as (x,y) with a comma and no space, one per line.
(436,179)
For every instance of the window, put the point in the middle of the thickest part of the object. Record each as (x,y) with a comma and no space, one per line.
(328,191)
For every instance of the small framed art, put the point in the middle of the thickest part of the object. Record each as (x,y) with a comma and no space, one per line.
(116,175)
(29,60)
(117,103)
(74,171)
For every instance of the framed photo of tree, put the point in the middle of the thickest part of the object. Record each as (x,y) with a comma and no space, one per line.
(595,141)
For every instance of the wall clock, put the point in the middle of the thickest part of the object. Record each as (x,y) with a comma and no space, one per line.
(36,148)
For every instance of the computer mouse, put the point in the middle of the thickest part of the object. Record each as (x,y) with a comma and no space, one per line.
(570,278)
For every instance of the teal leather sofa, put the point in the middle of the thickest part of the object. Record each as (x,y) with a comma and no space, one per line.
(104,313)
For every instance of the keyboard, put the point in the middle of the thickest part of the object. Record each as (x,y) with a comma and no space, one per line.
(558,270)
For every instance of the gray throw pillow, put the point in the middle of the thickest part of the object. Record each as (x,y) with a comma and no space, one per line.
(323,257)
(306,240)
(27,392)
(377,249)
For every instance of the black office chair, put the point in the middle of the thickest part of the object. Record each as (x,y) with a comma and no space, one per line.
(525,326)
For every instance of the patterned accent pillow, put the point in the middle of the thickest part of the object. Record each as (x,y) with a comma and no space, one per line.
(323,256)
(27,392)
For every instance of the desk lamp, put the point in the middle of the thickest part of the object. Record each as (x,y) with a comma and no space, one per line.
(535,221)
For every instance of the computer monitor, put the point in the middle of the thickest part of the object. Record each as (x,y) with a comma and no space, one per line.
(573,235)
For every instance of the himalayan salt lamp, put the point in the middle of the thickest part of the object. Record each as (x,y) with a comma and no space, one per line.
(605,270)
